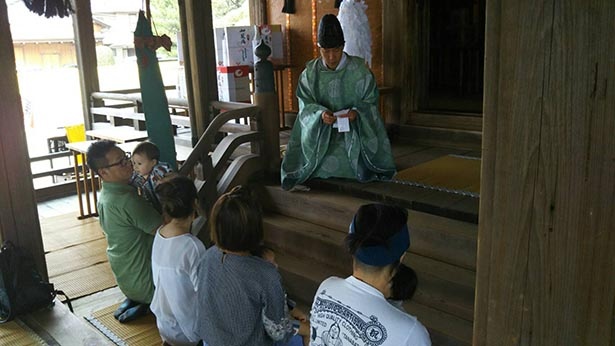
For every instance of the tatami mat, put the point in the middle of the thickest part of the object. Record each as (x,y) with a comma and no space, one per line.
(59,235)
(85,281)
(141,332)
(451,173)
(76,257)
(15,334)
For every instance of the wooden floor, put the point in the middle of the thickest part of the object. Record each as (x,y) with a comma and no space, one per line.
(67,237)
(77,264)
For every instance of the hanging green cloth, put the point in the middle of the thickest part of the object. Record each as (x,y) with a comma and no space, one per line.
(155,104)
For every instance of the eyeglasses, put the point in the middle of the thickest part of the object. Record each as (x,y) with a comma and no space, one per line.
(122,162)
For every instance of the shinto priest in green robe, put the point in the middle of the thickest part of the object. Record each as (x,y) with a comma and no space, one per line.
(317,150)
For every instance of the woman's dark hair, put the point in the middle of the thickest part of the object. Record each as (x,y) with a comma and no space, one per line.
(374,224)
(97,154)
(177,195)
(236,222)
(403,284)
(147,149)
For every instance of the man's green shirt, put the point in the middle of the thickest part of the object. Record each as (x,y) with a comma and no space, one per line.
(129,223)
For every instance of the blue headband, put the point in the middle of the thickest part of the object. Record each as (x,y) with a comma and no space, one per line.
(383,255)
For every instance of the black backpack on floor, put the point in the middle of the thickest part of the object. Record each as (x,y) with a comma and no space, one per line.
(22,289)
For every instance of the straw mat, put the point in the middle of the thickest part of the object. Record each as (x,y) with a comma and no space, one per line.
(59,235)
(140,332)
(451,173)
(76,257)
(85,281)
(14,334)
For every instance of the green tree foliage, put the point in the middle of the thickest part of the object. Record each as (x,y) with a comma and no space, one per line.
(165,15)
(165,20)
(220,8)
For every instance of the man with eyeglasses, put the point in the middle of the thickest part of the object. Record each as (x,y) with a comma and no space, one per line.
(322,145)
(129,223)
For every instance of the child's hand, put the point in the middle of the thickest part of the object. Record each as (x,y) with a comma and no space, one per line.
(269,256)
(306,340)
(299,315)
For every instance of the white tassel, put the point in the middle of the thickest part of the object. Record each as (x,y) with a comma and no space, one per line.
(357,34)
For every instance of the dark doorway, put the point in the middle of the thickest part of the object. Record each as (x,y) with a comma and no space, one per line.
(455,56)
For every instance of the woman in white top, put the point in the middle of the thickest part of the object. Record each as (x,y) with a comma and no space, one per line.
(355,311)
(176,256)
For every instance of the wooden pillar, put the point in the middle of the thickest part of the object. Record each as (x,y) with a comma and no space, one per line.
(397,67)
(258,12)
(266,99)
(18,214)
(187,71)
(85,46)
(546,269)
(201,57)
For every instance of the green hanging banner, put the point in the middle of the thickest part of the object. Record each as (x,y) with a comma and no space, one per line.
(155,104)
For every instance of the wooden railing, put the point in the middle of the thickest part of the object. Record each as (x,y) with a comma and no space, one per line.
(52,171)
(209,161)
(55,188)
(131,109)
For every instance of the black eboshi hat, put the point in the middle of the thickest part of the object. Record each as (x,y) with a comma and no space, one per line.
(330,34)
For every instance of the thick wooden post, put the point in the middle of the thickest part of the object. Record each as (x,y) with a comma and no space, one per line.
(187,71)
(258,12)
(546,269)
(85,45)
(398,67)
(201,58)
(18,214)
(266,99)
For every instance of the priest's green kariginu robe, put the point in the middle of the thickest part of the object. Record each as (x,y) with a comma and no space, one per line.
(317,150)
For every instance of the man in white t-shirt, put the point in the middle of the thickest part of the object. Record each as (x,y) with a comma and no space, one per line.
(355,311)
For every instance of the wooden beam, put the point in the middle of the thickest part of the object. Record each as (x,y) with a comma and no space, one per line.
(85,45)
(18,214)
(202,60)
(258,12)
(546,241)
(397,68)
(187,71)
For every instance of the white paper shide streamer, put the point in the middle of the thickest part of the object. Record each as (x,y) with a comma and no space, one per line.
(357,34)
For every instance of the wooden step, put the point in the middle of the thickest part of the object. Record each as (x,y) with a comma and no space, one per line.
(443,295)
(444,239)
(448,205)
(436,237)
(444,329)
(301,278)
(440,137)
(307,240)
(326,209)
(442,285)
(463,121)
(307,231)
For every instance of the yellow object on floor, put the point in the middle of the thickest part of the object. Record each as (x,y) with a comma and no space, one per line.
(14,334)
(140,332)
(449,173)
